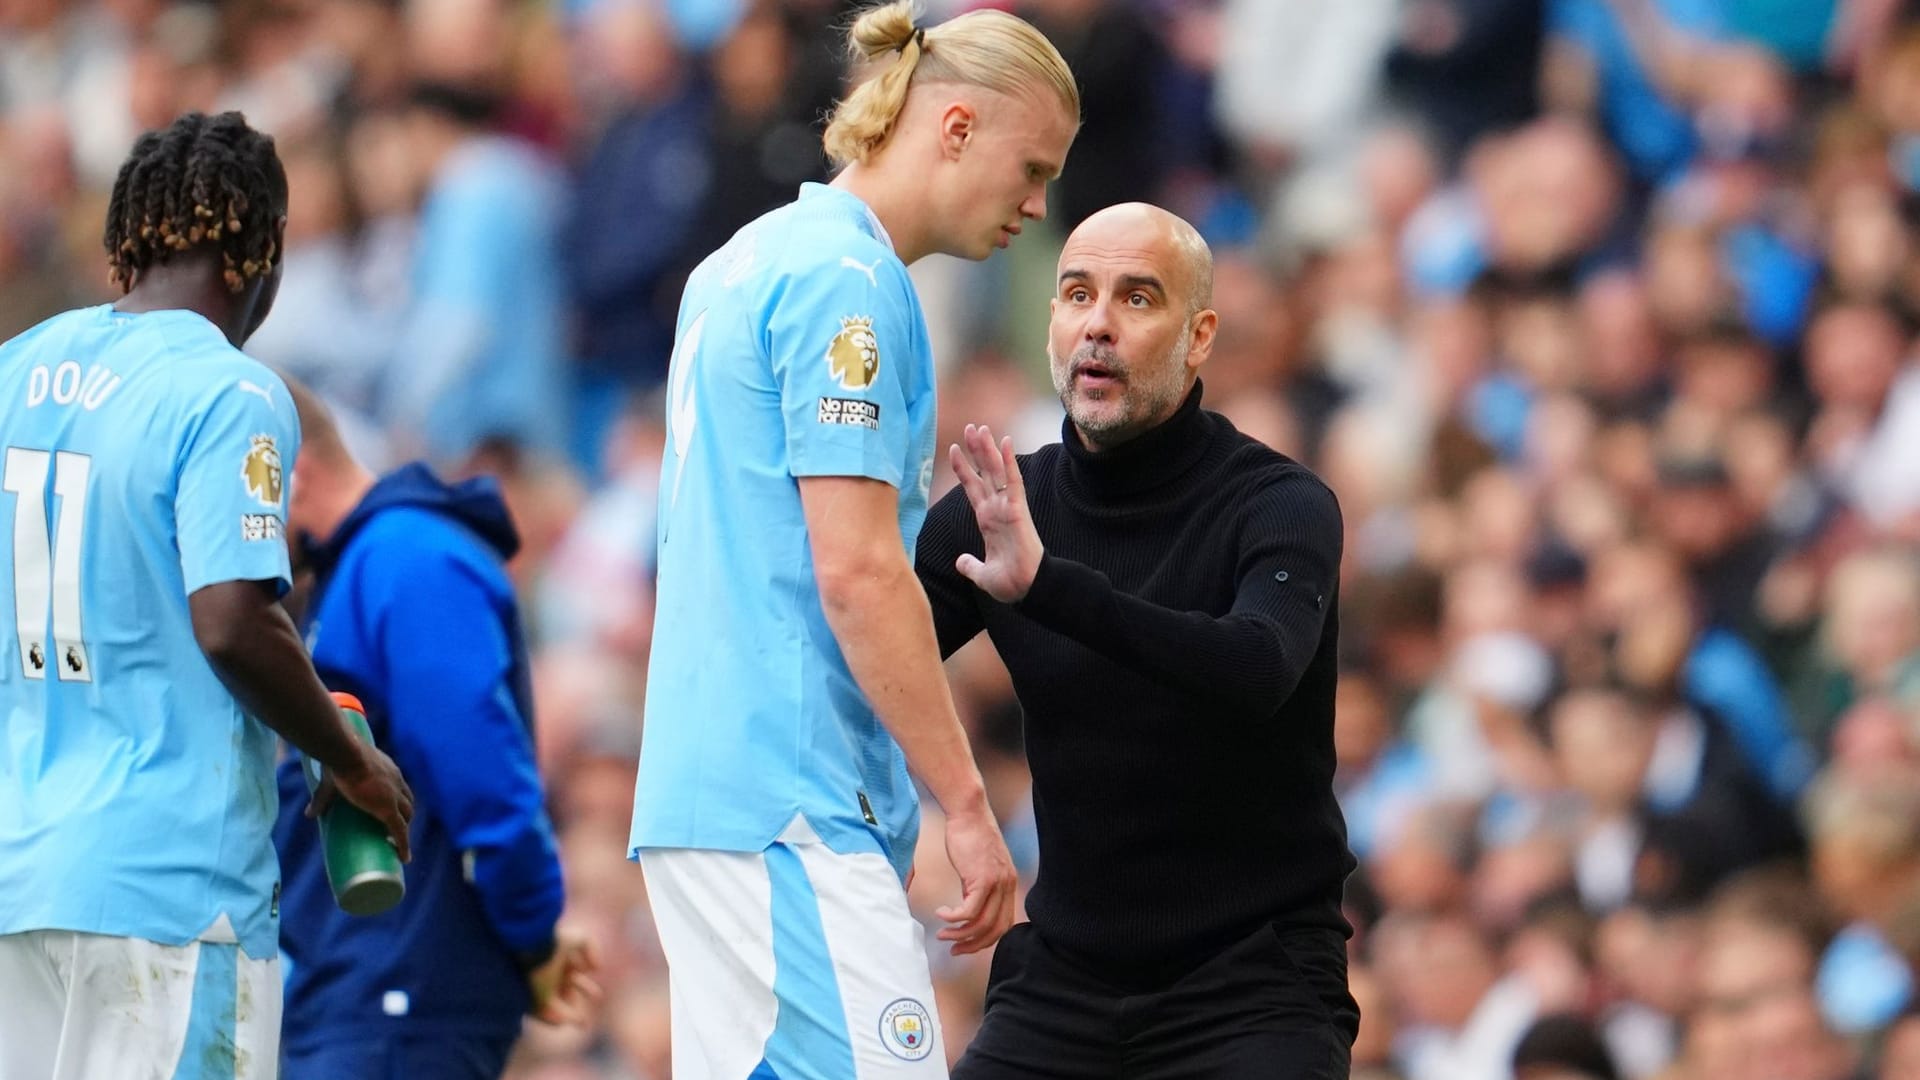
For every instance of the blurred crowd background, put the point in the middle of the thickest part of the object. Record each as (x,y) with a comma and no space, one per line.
(1600,317)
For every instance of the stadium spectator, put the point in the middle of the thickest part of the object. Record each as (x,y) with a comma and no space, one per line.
(479,354)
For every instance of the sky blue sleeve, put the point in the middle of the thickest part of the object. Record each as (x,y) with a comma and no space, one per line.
(842,344)
(230,495)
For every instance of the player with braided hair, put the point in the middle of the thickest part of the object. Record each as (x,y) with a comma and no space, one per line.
(145,661)
(209,183)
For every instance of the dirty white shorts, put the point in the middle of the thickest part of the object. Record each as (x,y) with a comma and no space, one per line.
(90,1007)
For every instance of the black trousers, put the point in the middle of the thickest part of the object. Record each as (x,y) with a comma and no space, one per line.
(1274,1006)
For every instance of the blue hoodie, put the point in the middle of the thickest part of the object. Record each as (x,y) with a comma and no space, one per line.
(413,613)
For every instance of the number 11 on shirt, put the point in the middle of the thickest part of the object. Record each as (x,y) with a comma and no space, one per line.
(46,577)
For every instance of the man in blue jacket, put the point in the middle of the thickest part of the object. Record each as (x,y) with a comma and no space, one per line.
(411,611)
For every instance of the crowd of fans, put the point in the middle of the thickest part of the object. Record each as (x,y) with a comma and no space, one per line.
(1598,315)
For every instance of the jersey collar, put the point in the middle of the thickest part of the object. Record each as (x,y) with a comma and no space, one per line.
(815,190)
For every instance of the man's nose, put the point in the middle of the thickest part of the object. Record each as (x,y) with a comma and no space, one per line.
(1035,205)
(1099,325)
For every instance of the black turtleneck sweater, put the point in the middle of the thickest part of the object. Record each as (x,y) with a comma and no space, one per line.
(1175,662)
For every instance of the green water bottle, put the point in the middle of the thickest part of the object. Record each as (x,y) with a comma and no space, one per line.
(362,865)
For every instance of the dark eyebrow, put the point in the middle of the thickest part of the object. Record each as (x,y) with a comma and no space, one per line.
(1128,282)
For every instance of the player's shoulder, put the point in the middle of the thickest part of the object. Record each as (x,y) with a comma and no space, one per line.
(190,355)
(824,236)
(220,373)
(216,367)
(73,344)
(800,240)
(842,247)
(217,394)
(53,326)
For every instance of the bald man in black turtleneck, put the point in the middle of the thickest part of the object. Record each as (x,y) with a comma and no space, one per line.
(1163,590)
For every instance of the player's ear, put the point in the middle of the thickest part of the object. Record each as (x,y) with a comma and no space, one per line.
(956,129)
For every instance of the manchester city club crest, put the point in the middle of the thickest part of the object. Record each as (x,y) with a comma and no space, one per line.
(907,1029)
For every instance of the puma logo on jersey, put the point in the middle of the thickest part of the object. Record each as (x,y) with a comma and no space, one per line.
(865,268)
(247,387)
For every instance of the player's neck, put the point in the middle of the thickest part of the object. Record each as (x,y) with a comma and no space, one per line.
(901,211)
(189,282)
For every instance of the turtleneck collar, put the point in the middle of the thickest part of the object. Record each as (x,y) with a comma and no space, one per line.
(1142,464)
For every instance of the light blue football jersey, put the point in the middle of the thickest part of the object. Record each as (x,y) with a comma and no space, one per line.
(801,350)
(144,458)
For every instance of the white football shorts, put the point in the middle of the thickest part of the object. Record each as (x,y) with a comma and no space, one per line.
(793,963)
(92,1007)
